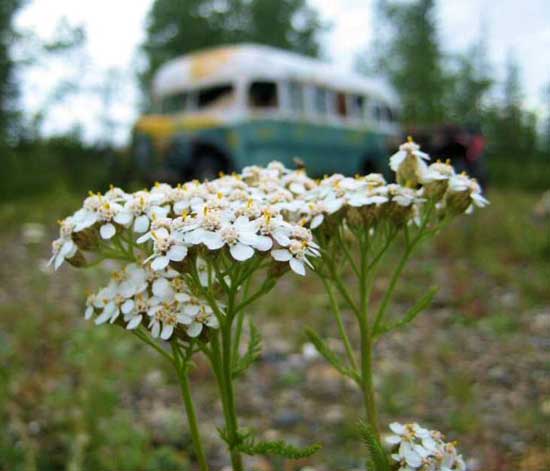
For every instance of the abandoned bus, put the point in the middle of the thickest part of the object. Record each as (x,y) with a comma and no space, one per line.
(225,108)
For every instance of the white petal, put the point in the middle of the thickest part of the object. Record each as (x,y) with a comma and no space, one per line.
(185,319)
(422,155)
(213,322)
(68,249)
(297,266)
(88,313)
(397,428)
(144,238)
(115,316)
(191,310)
(177,253)
(107,231)
(393,439)
(316,221)
(263,243)
(241,252)
(212,240)
(124,218)
(103,317)
(396,159)
(134,322)
(281,238)
(194,329)
(281,255)
(155,331)
(59,259)
(160,263)
(167,332)
(141,224)
(127,306)
(163,289)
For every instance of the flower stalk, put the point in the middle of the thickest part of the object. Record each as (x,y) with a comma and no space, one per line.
(191,259)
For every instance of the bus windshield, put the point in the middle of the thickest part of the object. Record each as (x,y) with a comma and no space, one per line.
(217,96)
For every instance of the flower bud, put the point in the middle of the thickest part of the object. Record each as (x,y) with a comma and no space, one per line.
(353,216)
(87,239)
(458,201)
(77,260)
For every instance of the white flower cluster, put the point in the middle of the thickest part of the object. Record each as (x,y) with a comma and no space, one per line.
(136,293)
(268,213)
(420,449)
(247,213)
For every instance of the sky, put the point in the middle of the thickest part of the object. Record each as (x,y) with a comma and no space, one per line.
(114,30)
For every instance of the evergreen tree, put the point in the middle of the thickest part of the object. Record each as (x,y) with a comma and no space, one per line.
(469,83)
(8,88)
(179,27)
(546,123)
(409,55)
(512,130)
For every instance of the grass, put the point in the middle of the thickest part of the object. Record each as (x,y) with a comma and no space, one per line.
(77,397)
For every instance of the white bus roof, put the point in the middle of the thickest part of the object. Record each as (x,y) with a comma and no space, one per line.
(252,61)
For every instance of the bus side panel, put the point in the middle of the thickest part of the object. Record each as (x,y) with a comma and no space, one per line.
(323,148)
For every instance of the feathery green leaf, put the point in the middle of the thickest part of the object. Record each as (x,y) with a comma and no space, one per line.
(252,353)
(377,459)
(411,314)
(330,356)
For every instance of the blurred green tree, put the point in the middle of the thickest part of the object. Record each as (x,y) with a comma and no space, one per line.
(176,28)
(546,123)
(512,130)
(8,88)
(408,54)
(469,82)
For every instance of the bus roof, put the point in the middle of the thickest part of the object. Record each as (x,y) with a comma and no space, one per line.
(253,61)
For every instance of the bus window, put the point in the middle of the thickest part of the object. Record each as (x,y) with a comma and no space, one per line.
(217,96)
(357,106)
(175,103)
(390,116)
(296,97)
(341,104)
(377,113)
(263,95)
(320,101)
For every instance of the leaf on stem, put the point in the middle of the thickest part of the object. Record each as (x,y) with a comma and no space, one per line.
(411,314)
(279,448)
(252,353)
(377,459)
(330,356)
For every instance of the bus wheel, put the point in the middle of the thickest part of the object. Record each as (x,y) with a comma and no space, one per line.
(207,167)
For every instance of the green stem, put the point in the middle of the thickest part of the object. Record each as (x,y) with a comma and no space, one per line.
(340,323)
(182,370)
(393,283)
(345,249)
(240,321)
(221,361)
(232,425)
(367,385)
(340,286)
(143,337)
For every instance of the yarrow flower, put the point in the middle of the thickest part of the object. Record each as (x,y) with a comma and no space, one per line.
(417,448)
(184,258)
(408,164)
(463,194)
(265,213)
